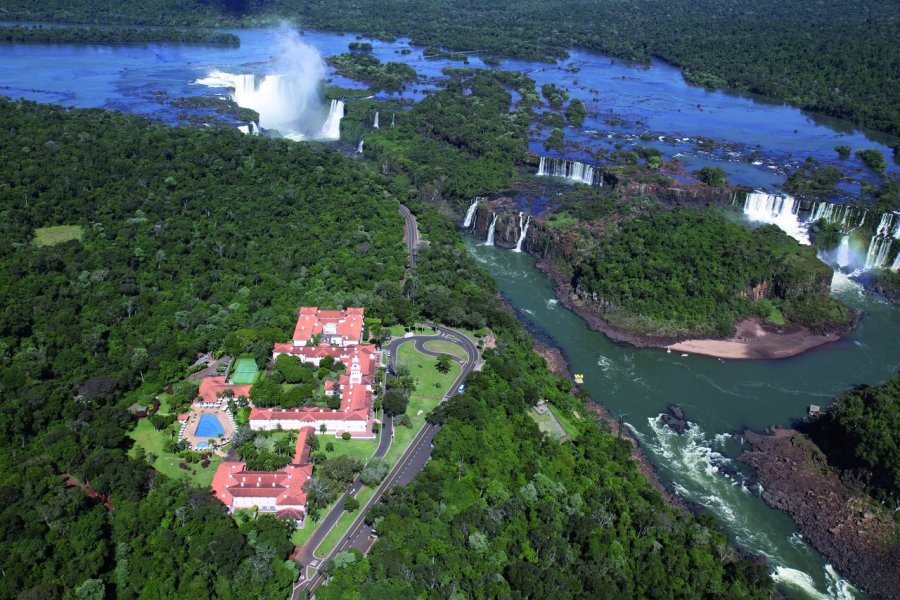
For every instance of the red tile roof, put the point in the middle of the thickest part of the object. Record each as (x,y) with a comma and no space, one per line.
(283,487)
(311,321)
(212,388)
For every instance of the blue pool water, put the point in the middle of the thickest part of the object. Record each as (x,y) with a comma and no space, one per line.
(209,426)
(202,445)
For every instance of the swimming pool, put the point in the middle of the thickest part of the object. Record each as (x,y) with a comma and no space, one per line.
(209,426)
(202,445)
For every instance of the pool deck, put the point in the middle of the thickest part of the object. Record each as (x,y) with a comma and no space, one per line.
(198,409)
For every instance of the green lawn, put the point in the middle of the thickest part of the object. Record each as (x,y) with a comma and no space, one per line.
(50,236)
(447,348)
(361,449)
(431,385)
(151,440)
(343,524)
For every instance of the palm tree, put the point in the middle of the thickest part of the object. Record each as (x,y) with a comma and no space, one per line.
(323,428)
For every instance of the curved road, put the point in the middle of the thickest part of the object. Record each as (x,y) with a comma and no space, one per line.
(407,467)
(410,234)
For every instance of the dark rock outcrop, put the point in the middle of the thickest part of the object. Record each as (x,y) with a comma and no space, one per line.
(689,195)
(675,419)
(849,529)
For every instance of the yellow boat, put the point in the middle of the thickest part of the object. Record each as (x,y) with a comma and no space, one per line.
(579,378)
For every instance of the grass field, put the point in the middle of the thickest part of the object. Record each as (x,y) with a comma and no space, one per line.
(431,385)
(50,236)
(340,528)
(244,371)
(151,440)
(566,420)
(361,449)
(548,424)
(447,348)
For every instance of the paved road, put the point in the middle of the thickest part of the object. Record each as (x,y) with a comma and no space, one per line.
(411,234)
(407,467)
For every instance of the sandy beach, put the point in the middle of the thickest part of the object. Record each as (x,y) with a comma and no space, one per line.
(751,341)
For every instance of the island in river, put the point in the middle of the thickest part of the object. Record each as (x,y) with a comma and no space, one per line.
(687,278)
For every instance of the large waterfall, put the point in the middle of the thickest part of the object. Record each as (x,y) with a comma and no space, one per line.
(470,213)
(777,209)
(879,249)
(375,124)
(490,236)
(331,130)
(287,98)
(848,217)
(569,169)
(523,228)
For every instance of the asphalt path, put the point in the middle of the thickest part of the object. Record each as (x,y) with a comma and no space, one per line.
(410,234)
(359,535)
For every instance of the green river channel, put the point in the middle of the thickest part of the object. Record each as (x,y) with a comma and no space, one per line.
(720,398)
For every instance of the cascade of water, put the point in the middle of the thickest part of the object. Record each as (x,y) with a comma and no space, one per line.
(884,226)
(879,248)
(253,129)
(359,149)
(490,236)
(523,228)
(896,265)
(375,124)
(568,169)
(844,257)
(896,234)
(393,115)
(780,210)
(470,213)
(331,130)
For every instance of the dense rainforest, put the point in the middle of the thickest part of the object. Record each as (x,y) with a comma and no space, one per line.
(131,246)
(860,436)
(174,238)
(96,35)
(836,58)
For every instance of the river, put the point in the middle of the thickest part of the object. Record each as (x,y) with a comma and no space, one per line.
(719,398)
(756,141)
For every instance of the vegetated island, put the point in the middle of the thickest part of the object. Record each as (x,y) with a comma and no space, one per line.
(115,35)
(838,477)
(688,279)
(389,76)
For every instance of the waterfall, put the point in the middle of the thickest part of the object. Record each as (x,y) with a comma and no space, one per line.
(331,130)
(359,149)
(567,169)
(879,248)
(375,124)
(393,115)
(523,228)
(884,226)
(490,236)
(896,265)
(253,129)
(777,209)
(844,256)
(470,213)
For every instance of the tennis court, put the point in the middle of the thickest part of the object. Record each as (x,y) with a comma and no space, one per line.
(245,371)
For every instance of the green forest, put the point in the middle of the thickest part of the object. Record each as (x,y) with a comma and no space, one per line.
(834,57)
(96,35)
